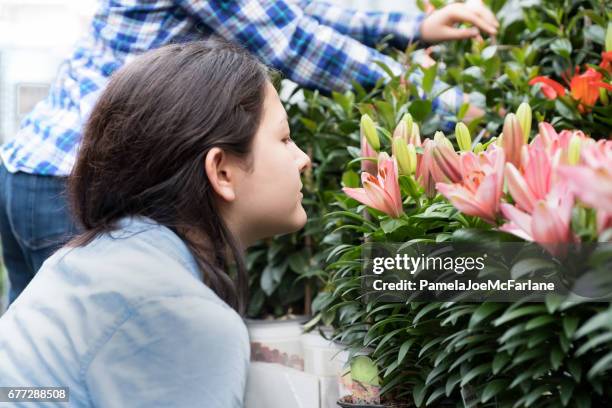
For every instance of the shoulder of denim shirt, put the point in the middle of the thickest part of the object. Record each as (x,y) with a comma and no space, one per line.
(139,260)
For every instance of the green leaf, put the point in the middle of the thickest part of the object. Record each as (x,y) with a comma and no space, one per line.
(438,392)
(599,321)
(474,372)
(516,313)
(566,111)
(404,348)
(594,342)
(271,277)
(562,47)
(602,365)
(575,369)
(493,388)
(556,357)
(391,224)
(418,393)
(420,109)
(451,383)
(489,52)
(463,110)
(535,394)
(529,266)
(539,321)
(429,77)
(499,361)
(350,179)
(483,311)
(553,301)
(570,323)
(566,391)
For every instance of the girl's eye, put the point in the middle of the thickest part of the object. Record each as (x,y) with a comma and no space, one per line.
(288,139)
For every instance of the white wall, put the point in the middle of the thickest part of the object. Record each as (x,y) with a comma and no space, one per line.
(35,35)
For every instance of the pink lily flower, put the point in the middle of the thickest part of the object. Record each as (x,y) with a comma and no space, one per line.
(423,172)
(512,139)
(604,221)
(535,180)
(480,189)
(549,223)
(367,152)
(445,163)
(382,191)
(553,142)
(591,180)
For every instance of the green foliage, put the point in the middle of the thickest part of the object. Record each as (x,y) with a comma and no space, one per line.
(552,354)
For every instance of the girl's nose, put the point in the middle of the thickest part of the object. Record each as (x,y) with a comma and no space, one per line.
(303,161)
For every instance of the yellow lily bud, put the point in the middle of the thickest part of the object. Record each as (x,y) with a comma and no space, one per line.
(609,37)
(462,134)
(573,151)
(407,119)
(368,129)
(415,136)
(523,114)
(406,156)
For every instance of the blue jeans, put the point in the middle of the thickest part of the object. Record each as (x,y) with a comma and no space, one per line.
(34,223)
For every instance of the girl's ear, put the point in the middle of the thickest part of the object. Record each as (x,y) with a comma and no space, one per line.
(220,173)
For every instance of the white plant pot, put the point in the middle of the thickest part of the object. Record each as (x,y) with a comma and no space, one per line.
(277,341)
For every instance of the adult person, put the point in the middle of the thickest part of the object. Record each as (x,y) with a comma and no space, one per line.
(315,44)
(186,160)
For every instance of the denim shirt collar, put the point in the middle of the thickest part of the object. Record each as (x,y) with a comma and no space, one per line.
(159,236)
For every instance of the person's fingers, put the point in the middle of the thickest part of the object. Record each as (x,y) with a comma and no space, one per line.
(452,33)
(459,12)
(487,15)
(465,14)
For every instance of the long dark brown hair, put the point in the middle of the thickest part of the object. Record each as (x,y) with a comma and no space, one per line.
(145,142)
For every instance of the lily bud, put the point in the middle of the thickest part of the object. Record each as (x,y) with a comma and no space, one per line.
(446,164)
(609,37)
(479,148)
(405,155)
(415,136)
(462,134)
(573,151)
(439,138)
(404,128)
(401,131)
(523,114)
(512,140)
(407,118)
(368,129)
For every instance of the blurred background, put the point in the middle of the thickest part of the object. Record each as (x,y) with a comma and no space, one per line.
(36,35)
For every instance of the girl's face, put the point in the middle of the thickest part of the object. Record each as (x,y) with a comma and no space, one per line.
(266,197)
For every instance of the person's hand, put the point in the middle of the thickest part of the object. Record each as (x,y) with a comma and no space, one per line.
(440,24)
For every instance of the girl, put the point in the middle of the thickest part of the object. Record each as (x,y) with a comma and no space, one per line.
(186,161)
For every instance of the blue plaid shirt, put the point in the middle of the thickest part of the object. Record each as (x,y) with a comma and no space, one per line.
(315,44)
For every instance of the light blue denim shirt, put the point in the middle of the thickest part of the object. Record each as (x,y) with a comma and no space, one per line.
(125,321)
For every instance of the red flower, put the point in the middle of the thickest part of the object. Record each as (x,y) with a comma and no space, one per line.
(585,87)
(551,89)
(606,61)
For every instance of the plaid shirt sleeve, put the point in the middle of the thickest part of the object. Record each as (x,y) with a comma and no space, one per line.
(308,52)
(367,27)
